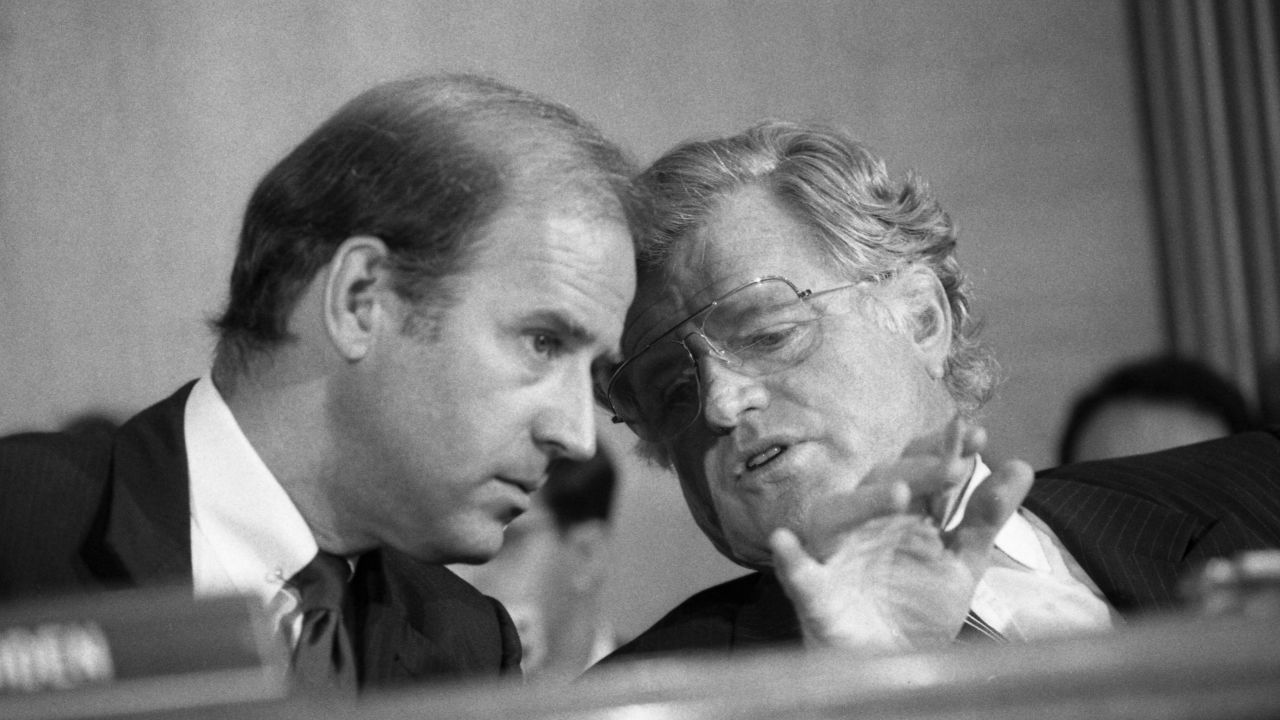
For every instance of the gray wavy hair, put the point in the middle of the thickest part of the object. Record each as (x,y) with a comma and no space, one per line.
(873,225)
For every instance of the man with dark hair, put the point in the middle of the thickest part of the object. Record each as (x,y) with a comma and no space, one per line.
(1150,405)
(552,569)
(800,351)
(421,291)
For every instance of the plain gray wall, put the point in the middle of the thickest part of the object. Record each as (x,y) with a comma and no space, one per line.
(131,134)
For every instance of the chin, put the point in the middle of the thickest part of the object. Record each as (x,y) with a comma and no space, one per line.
(471,548)
(476,552)
(751,554)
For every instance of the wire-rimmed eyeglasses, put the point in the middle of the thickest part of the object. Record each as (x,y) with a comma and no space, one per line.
(758,328)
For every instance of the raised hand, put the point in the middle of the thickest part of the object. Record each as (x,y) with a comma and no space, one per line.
(876,569)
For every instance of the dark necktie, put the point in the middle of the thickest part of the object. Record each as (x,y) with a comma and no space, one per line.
(323,657)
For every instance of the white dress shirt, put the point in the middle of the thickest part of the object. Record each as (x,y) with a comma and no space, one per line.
(1034,589)
(247,537)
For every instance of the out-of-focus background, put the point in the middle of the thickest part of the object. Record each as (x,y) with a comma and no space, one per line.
(131,134)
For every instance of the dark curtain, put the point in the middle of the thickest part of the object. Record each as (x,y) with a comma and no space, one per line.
(1211,83)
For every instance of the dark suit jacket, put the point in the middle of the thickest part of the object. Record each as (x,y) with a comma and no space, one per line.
(1136,525)
(81,513)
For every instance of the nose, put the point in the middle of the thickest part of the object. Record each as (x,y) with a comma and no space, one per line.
(566,425)
(727,391)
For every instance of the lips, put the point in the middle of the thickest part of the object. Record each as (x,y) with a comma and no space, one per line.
(527,484)
(761,459)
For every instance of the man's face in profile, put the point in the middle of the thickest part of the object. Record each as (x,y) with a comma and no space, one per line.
(768,449)
(460,420)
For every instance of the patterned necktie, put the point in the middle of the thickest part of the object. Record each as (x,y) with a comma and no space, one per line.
(323,657)
(976,630)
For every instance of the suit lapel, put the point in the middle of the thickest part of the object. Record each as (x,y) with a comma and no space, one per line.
(766,618)
(1132,547)
(389,648)
(148,526)
(415,621)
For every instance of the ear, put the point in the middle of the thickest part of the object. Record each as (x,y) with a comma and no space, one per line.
(926,317)
(355,290)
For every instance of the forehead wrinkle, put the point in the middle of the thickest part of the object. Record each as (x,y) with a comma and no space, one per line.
(704,265)
(582,278)
(663,300)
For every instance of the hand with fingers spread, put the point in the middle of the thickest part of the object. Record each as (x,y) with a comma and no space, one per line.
(887,566)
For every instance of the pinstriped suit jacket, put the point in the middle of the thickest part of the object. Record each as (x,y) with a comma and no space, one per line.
(1136,525)
(81,514)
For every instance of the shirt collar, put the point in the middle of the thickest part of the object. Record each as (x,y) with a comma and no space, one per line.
(251,529)
(1017,538)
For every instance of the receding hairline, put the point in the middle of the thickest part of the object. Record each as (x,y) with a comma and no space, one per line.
(547,166)
(527,138)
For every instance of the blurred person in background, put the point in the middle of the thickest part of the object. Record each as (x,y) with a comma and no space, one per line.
(1150,405)
(551,571)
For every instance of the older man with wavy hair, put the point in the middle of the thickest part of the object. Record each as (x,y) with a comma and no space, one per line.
(801,352)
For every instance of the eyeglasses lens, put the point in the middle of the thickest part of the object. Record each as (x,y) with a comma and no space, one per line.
(759,329)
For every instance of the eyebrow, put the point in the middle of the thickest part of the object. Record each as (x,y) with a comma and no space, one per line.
(559,322)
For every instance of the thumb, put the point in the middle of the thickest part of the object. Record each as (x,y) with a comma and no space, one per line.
(995,500)
(792,564)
